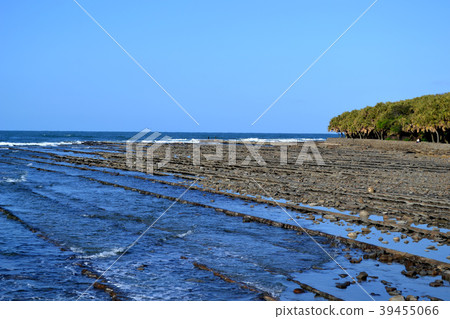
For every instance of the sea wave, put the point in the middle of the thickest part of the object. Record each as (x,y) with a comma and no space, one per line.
(178,140)
(105,254)
(280,140)
(251,139)
(168,141)
(77,250)
(22,178)
(12,144)
(189,232)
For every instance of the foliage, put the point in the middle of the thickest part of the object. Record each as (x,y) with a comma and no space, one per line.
(426,117)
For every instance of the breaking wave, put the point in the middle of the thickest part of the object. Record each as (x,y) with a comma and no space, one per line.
(280,140)
(105,254)
(189,232)
(12,144)
(22,178)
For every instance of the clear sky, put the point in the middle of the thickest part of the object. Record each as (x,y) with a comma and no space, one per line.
(224,61)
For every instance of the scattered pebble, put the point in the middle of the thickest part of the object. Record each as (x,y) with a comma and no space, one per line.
(343,285)
(437,283)
(411,298)
(397,298)
(362,276)
(298,291)
(356,261)
(364,215)
(352,235)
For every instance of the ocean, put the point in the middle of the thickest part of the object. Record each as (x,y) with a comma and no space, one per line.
(54,138)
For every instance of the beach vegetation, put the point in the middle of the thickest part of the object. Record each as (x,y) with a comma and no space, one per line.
(426,118)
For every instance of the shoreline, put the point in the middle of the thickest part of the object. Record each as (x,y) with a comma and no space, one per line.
(364,191)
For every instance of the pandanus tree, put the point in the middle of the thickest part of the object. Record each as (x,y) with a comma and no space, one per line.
(427,116)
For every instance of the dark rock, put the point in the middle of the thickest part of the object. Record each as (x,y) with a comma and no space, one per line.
(432,298)
(423,272)
(446,275)
(299,291)
(268,298)
(356,261)
(343,285)
(397,298)
(100,286)
(385,258)
(246,219)
(362,276)
(437,283)
(410,274)
(392,291)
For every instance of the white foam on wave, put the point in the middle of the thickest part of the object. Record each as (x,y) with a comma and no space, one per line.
(170,141)
(77,250)
(250,139)
(280,140)
(22,178)
(178,140)
(189,232)
(12,144)
(106,253)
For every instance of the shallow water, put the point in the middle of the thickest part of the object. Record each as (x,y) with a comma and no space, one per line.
(98,222)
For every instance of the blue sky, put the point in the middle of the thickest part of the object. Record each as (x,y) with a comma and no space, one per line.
(224,61)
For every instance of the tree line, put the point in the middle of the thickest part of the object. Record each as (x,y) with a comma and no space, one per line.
(426,117)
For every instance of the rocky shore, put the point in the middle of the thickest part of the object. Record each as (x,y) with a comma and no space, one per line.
(404,181)
(395,192)
(391,185)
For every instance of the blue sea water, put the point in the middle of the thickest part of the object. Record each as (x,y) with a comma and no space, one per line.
(51,138)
